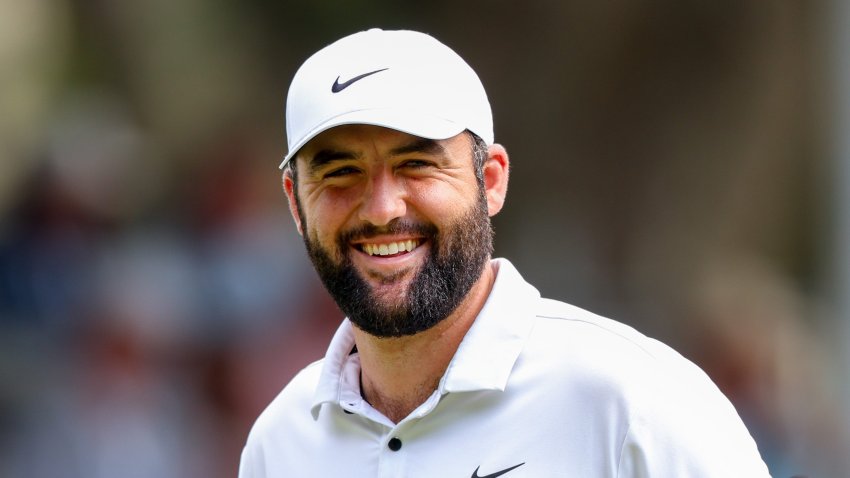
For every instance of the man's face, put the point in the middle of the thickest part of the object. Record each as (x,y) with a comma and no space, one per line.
(396,226)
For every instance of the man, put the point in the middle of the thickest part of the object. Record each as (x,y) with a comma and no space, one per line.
(449,364)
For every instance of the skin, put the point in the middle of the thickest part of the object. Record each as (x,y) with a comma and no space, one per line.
(356,174)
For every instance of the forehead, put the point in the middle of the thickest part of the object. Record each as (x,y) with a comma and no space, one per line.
(362,140)
(356,133)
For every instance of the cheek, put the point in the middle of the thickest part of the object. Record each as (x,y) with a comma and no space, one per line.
(443,201)
(327,214)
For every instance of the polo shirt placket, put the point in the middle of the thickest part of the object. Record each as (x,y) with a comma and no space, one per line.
(393,452)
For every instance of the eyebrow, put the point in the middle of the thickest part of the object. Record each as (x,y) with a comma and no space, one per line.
(420,145)
(327,156)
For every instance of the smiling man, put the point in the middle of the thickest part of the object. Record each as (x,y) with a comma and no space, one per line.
(398,226)
(448,363)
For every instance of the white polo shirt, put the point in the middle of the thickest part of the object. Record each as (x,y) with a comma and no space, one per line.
(537,388)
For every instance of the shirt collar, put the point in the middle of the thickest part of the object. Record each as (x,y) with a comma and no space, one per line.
(333,379)
(484,359)
(487,354)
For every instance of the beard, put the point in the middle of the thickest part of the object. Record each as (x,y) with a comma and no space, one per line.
(459,251)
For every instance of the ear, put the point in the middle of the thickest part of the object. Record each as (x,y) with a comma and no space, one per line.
(289,187)
(496,178)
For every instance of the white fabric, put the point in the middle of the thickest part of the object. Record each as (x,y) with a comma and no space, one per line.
(410,82)
(535,382)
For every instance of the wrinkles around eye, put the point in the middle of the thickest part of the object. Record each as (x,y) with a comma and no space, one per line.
(340,172)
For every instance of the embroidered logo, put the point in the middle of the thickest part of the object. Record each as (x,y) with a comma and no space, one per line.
(494,475)
(337,86)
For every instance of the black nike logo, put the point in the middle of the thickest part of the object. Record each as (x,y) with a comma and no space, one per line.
(494,475)
(337,86)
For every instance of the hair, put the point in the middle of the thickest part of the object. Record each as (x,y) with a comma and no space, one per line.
(480,153)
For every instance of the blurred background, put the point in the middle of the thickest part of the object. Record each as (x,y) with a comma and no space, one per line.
(683,167)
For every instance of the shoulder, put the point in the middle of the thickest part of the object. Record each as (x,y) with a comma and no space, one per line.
(290,406)
(641,375)
(290,410)
(577,333)
(675,416)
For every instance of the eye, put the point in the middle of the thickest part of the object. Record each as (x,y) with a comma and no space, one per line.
(416,164)
(340,172)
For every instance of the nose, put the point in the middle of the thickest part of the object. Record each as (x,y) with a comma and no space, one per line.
(384,199)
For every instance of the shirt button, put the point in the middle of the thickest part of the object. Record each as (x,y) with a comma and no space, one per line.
(394,444)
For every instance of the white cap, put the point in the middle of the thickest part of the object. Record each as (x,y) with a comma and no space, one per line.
(404,80)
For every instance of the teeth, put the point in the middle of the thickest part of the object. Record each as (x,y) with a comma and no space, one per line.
(391,248)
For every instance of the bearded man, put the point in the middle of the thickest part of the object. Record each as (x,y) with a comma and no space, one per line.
(448,363)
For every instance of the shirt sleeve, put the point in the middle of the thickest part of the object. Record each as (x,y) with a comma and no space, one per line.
(682,426)
(250,465)
(652,452)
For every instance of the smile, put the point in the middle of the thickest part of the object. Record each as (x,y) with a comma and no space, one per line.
(391,248)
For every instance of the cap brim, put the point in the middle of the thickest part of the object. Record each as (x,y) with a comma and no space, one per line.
(415,123)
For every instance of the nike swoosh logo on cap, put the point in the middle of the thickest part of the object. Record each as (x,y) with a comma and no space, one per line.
(337,86)
(494,475)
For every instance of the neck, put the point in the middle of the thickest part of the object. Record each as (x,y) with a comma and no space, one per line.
(399,374)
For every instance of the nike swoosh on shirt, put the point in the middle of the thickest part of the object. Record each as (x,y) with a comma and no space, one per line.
(337,86)
(494,475)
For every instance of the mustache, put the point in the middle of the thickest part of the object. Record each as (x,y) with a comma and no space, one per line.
(396,226)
